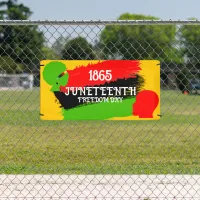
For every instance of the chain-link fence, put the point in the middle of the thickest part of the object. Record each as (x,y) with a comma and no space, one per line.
(99,159)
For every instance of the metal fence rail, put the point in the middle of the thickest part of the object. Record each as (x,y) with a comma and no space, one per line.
(100,159)
(98,22)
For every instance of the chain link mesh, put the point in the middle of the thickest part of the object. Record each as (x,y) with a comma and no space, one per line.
(99,159)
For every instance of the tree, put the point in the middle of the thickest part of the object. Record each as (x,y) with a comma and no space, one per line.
(59,44)
(140,41)
(9,66)
(182,80)
(78,49)
(22,43)
(190,40)
(49,54)
(14,11)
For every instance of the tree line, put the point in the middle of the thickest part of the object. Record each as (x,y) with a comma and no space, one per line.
(22,47)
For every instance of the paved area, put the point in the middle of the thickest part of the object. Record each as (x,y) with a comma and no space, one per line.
(99,187)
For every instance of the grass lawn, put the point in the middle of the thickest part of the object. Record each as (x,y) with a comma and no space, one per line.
(29,145)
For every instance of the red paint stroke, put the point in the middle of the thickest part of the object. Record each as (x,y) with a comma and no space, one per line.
(146,103)
(121,69)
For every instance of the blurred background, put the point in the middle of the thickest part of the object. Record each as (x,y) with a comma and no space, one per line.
(176,46)
(167,146)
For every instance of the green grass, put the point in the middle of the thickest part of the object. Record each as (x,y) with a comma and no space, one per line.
(29,145)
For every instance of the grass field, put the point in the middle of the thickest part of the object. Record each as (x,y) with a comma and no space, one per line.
(29,145)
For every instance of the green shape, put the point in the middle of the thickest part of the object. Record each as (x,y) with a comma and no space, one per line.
(100,111)
(51,72)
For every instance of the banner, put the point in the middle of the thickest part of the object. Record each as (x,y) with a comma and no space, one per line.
(100,90)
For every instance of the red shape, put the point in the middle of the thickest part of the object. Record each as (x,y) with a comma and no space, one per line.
(146,103)
(121,69)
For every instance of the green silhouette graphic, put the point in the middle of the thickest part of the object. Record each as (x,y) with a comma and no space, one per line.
(54,75)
